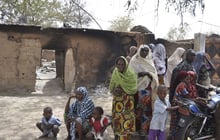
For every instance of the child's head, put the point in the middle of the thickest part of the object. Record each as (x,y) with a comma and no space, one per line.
(187,76)
(162,92)
(48,112)
(98,112)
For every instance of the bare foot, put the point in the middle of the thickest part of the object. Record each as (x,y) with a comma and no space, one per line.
(43,136)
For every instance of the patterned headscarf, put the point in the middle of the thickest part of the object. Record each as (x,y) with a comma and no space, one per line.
(82,90)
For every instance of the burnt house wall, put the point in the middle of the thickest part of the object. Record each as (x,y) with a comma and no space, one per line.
(94,53)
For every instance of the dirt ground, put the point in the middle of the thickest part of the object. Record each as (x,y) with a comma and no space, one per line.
(20,111)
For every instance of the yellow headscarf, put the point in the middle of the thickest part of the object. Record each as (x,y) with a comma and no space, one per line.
(126,80)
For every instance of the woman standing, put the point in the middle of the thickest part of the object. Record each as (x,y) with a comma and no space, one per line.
(159,59)
(132,51)
(123,86)
(144,68)
(172,62)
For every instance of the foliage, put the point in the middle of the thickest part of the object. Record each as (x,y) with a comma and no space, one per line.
(121,24)
(74,14)
(42,12)
(184,6)
(180,6)
(178,33)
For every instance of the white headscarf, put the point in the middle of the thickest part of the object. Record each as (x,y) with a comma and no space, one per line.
(159,57)
(172,62)
(140,64)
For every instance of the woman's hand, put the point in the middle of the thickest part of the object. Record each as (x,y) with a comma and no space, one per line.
(69,119)
(118,91)
(49,126)
(72,96)
(142,74)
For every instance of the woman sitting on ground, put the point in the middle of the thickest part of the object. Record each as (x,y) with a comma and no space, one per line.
(77,114)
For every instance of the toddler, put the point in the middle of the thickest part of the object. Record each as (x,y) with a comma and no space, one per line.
(49,124)
(99,123)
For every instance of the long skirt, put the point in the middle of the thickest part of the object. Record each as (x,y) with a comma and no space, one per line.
(123,116)
(143,111)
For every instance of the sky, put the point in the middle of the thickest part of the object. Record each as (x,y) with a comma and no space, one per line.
(105,11)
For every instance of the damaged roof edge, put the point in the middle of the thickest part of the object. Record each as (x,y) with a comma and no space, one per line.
(40,29)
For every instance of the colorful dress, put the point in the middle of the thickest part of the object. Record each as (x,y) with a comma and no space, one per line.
(123,113)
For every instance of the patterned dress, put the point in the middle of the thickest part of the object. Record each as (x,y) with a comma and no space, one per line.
(123,115)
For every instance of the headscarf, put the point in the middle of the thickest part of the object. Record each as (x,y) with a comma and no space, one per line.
(189,85)
(200,61)
(140,64)
(83,91)
(151,46)
(132,50)
(80,109)
(126,80)
(203,66)
(172,62)
(159,58)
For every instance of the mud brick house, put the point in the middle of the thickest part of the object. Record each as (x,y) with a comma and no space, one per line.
(82,55)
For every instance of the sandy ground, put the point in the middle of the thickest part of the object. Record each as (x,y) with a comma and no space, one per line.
(20,111)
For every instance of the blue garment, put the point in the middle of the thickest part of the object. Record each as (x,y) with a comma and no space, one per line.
(82,109)
(53,120)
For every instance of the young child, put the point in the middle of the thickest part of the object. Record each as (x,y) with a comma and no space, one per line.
(49,124)
(187,87)
(160,114)
(99,123)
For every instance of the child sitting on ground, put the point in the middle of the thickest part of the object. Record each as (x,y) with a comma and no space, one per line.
(49,124)
(160,114)
(99,123)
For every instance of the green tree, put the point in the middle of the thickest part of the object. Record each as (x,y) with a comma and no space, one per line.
(43,12)
(178,33)
(180,6)
(121,24)
(74,13)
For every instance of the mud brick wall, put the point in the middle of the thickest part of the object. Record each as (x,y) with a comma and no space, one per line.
(93,53)
(18,60)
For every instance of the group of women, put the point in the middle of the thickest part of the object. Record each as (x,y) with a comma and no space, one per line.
(134,84)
